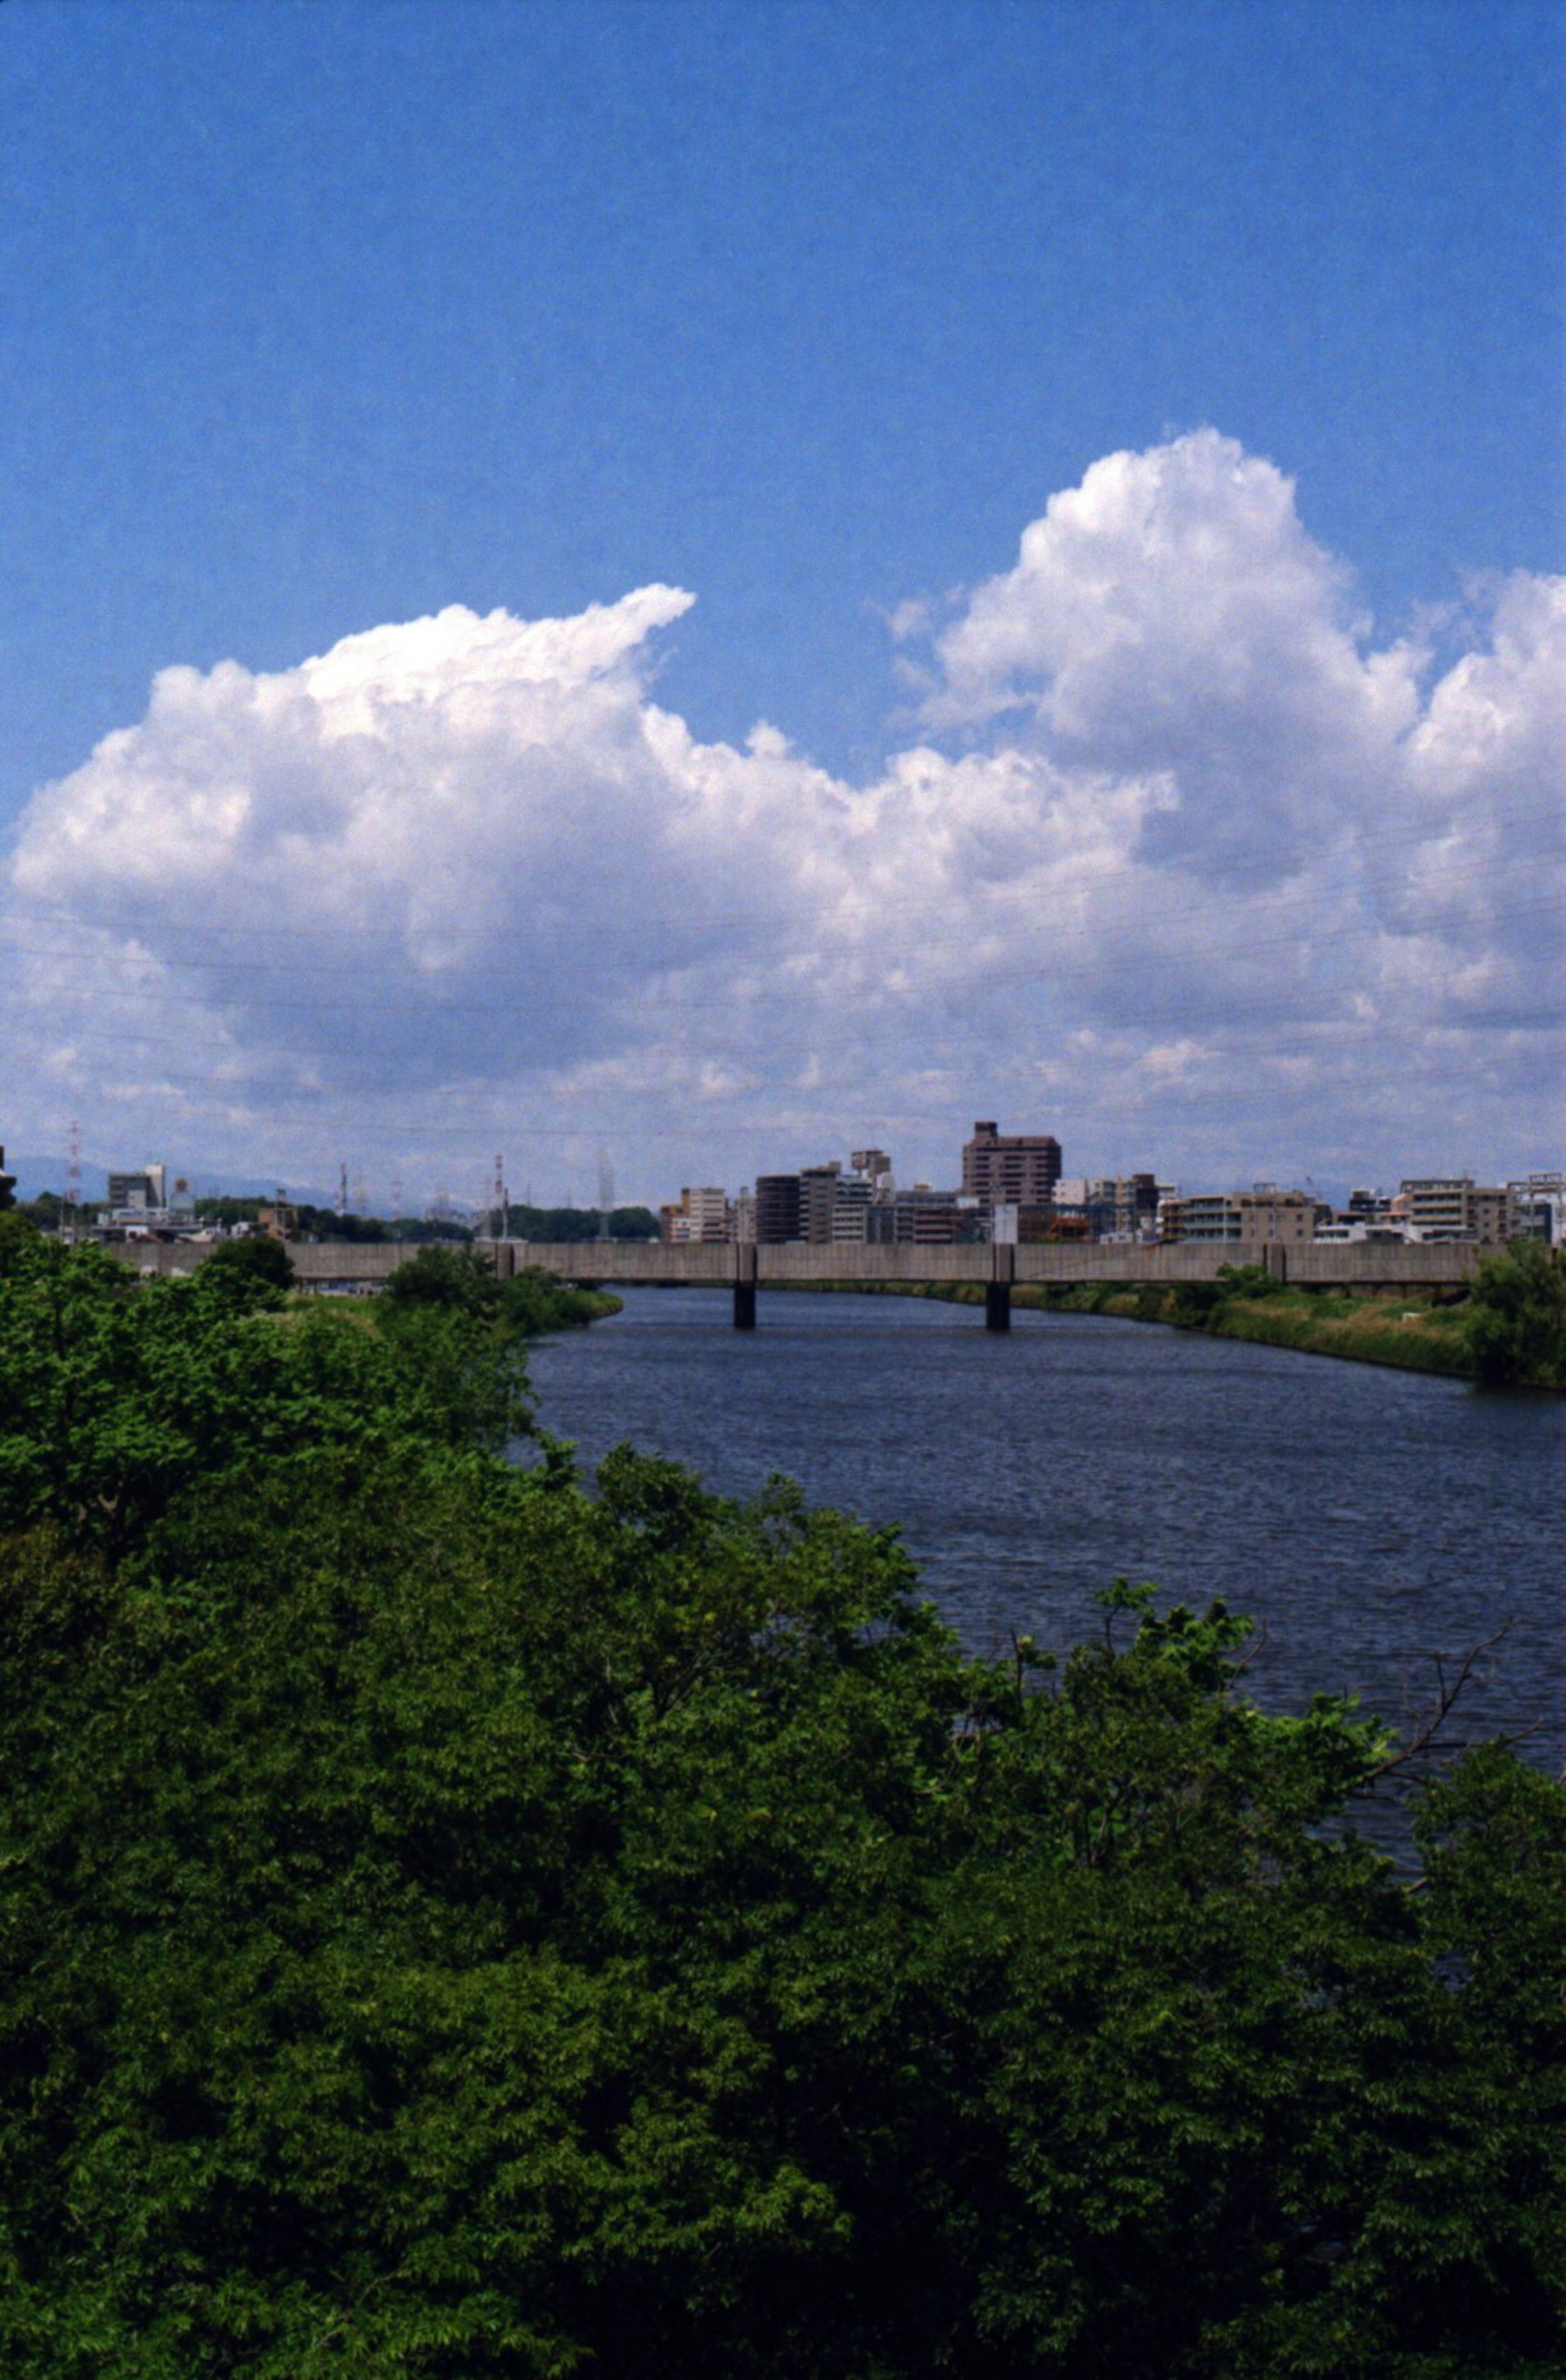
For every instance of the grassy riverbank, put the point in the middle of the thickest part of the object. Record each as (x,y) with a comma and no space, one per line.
(1415,1335)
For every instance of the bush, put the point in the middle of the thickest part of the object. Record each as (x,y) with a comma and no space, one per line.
(1517,1316)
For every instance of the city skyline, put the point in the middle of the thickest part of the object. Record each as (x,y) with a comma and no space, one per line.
(718,582)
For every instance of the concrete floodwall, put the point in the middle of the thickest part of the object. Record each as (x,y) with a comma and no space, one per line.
(613,1263)
(368,1260)
(160,1256)
(1069,1264)
(1376,1265)
(1358,1266)
(848,1262)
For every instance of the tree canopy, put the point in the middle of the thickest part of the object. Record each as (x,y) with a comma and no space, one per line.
(464,1919)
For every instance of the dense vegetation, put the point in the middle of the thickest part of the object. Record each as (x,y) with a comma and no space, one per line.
(458,1925)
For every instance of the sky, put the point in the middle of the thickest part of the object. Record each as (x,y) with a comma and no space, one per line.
(684,586)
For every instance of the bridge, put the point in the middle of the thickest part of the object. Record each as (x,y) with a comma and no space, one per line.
(745,1269)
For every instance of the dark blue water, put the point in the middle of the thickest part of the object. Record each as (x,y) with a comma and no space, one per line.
(1368,1520)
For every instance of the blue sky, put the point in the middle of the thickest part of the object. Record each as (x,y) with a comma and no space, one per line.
(323,319)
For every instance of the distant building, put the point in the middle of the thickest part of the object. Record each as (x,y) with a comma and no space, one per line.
(1454,1207)
(1033,1226)
(777,1209)
(7,1184)
(1541,1207)
(1010,1168)
(923,1218)
(134,1196)
(817,1200)
(1281,1218)
(699,1217)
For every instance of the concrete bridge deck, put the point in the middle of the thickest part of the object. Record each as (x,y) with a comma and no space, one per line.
(745,1269)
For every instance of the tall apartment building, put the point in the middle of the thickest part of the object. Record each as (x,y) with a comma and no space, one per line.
(1454,1207)
(818,1199)
(1010,1169)
(7,1184)
(821,1205)
(778,1203)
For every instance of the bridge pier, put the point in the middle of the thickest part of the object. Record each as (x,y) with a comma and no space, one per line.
(745,1286)
(998,1289)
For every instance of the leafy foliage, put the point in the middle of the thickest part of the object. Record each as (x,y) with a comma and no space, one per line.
(459,1924)
(1517,1325)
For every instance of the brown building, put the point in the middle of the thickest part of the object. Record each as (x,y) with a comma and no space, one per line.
(1010,1168)
(1286,1217)
(1456,1207)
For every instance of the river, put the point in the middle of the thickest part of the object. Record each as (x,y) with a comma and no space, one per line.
(1368,1520)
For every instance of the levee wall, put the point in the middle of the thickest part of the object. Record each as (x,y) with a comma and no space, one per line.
(615,1263)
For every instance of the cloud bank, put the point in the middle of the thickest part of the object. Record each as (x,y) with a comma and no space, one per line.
(1175,857)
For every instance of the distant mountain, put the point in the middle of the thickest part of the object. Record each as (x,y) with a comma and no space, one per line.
(36,1174)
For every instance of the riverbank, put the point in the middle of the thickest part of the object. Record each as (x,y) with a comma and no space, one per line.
(1414,1336)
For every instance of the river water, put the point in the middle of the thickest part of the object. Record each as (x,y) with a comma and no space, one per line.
(1368,1520)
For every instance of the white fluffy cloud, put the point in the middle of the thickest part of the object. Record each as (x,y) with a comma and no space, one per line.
(1184,863)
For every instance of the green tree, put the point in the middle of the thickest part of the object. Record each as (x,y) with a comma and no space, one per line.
(458,1923)
(1517,1324)
(252,1259)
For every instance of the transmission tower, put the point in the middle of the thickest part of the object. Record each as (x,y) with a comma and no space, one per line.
(343,1188)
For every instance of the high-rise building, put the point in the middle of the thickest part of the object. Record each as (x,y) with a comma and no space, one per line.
(817,1196)
(1010,1168)
(777,1209)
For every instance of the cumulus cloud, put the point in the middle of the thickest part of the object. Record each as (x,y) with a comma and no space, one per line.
(1181,851)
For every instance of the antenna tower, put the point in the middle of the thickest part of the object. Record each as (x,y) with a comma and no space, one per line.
(343,1188)
(499,1196)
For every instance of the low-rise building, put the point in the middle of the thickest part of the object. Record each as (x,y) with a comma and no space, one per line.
(1541,1207)
(923,1218)
(1454,1207)
(1264,1213)
(697,1216)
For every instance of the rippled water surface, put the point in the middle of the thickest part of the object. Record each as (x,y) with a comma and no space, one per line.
(1368,1519)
